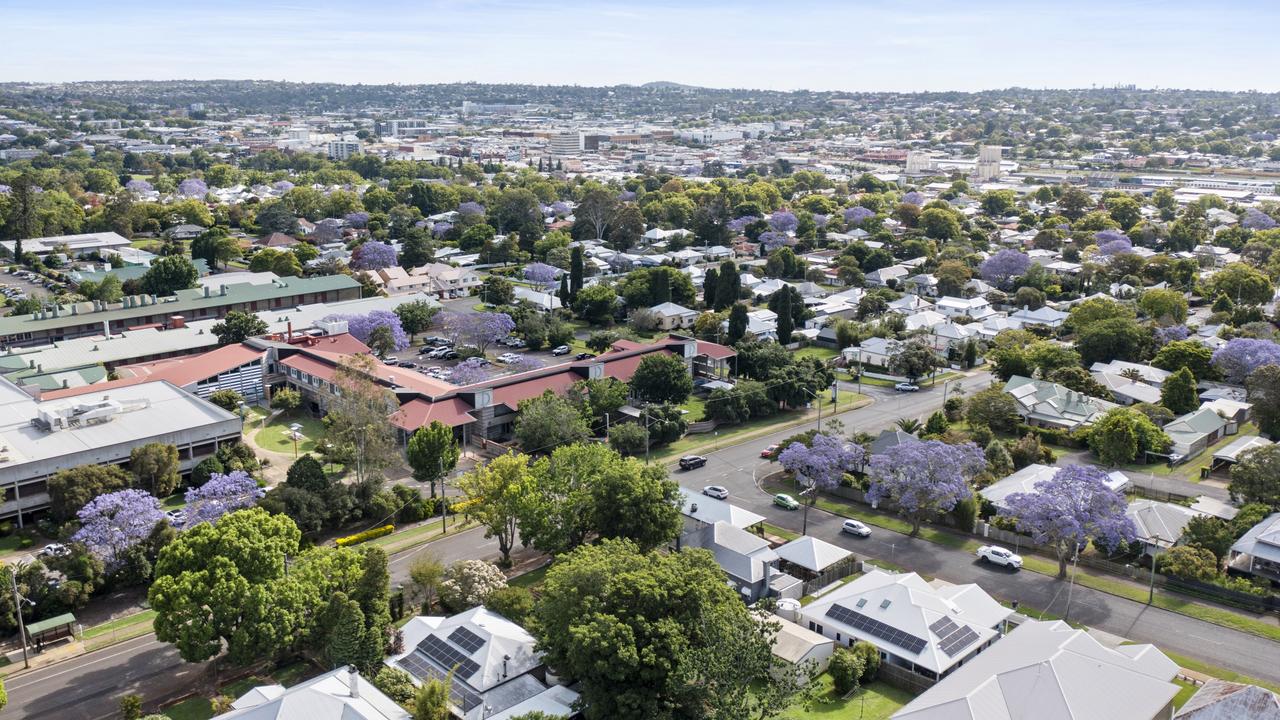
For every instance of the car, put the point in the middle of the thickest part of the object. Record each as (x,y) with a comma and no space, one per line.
(450,354)
(855,527)
(716,491)
(689,462)
(177,518)
(584,356)
(997,555)
(786,502)
(560,350)
(770,451)
(906,387)
(437,341)
(507,358)
(55,550)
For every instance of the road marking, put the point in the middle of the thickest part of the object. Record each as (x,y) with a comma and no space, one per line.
(149,638)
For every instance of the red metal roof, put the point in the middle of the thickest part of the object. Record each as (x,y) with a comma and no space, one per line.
(310,365)
(511,394)
(419,412)
(715,351)
(187,370)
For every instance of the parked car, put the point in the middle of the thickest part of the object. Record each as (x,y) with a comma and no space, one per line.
(855,527)
(55,550)
(584,356)
(716,491)
(906,387)
(560,350)
(507,358)
(997,555)
(786,502)
(689,462)
(770,451)
(177,518)
(437,341)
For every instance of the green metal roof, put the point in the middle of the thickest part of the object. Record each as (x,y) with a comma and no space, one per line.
(181,302)
(36,628)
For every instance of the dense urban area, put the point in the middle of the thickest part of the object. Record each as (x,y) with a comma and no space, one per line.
(660,402)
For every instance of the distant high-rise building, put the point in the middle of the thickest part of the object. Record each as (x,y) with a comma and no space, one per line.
(919,161)
(343,149)
(402,127)
(989,162)
(565,143)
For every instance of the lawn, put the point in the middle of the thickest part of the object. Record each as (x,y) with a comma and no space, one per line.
(275,436)
(697,408)
(875,701)
(822,353)
(531,579)
(201,708)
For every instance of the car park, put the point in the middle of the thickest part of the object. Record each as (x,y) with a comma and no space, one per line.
(718,492)
(561,350)
(906,387)
(855,527)
(997,555)
(786,502)
(689,462)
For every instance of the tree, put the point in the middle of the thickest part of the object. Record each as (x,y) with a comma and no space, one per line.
(728,285)
(647,635)
(280,262)
(636,502)
(737,323)
(357,419)
(237,326)
(131,707)
(275,217)
(70,490)
(629,438)
(495,490)
(1263,386)
(479,330)
(595,303)
(940,224)
(427,572)
(1078,379)
(395,684)
(349,642)
(1095,310)
(846,670)
(1178,393)
(169,274)
(155,467)
(924,478)
(1071,508)
(286,399)
(913,360)
(222,494)
(497,290)
(1209,533)
(432,453)
(227,399)
(415,317)
(1189,563)
(1123,435)
(113,524)
(1111,339)
(373,255)
(1242,284)
(1255,478)
(1240,357)
(661,378)
(512,603)
(1190,354)
(432,699)
(575,271)
(1166,306)
(468,583)
(781,305)
(1001,268)
(549,421)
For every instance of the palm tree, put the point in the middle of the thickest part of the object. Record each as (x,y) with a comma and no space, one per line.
(909,425)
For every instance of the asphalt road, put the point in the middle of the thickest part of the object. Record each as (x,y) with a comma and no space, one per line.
(736,468)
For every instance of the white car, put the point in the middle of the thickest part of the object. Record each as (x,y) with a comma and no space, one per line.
(560,350)
(997,555)
(55,550)
(716,491)
(506,358)
(906,387)
(855,527)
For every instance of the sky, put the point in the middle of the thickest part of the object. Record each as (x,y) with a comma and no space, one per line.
(855,45)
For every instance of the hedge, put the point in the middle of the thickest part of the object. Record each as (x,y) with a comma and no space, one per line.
(366,535)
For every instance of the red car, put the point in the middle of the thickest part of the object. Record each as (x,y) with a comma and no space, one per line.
(769,451)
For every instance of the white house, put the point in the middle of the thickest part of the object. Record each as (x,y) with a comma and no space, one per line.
(1024,481)
(873,351)
(1257,552)
(672,316)
(1042,316)
(1048,404)
(340,694)
(976,307)
(1159,525)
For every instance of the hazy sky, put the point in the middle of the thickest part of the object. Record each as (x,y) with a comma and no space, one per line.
(779,44)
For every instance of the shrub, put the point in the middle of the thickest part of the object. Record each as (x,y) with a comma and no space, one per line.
(365,536)
(870,658)
(395,684)
(846,670)
(468,583)
(513,603)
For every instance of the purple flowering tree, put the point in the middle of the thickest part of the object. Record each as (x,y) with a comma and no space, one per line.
(282,186)
(821,220)
(1071,508)
(1173,333)
(541,273)
(440,228)
(626,196)
(479,330)
(469,372)
(471,208)
(1004,266)
(771,241)
(855,216)
(361,327)
(913,198)
(138,186)
(1112,242)
(560,208)
(739,224)
(924,478)
(373,255)
(193,187)
(784,221)
(5,189)
(113,523)
(820,465)
(222,494)
(357,219)
(1240,357)
(1255,219)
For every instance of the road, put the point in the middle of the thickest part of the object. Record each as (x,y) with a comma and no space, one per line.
(89,687)
(737,467)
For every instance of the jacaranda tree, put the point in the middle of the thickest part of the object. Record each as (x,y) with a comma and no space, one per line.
(924,478)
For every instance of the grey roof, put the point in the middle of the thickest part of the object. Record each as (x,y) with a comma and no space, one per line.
(327,697)
(1222,700)
(1261,540)
(812,553)
(1050,402)
(1024,481)
(1135,390)
(709,510)
(1239,446)
(1159,523)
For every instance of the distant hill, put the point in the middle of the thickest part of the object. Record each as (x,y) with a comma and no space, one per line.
(668,85)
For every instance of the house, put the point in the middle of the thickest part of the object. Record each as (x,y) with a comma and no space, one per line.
(876,351)
(184,232)
(1233,411)
(672,316)
(340,694)
(1128,391)
(922,285)
(1225,457)
(953,307)
(72,245)
(1195,431)
(276,240)
(921,628)
(1024,481)
(887,440)
(1257,552)
(810,556)
(924,319)
(494,662)
(1047,404)
(1047,669)
(448,281)
(1153,376)
(746,558)
(908,304)
(1159,525)
(703,510)
(542,301)
(397,281)
(1046,316)
(1222,700)
(761,324)
(887,277)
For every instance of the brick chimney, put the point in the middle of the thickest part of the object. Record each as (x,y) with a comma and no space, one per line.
(176,322)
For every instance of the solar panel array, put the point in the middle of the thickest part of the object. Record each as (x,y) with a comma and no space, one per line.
(448,656)
(956,642)
(465,639)
(417,665)
(875,628)
(943,627)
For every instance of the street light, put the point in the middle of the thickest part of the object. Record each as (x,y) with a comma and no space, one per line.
(295,433)
(1071,588)
(17,605)
(1151,588)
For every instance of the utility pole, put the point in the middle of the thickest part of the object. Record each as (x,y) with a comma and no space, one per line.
(1071,588)
(17,606)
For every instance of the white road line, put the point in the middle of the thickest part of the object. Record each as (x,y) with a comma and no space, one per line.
(80,666)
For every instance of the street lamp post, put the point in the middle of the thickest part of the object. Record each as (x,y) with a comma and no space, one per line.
(295,433)
(17,605)
(1151,588)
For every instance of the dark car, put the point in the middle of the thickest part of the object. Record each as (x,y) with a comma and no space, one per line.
(689,462)
(583,356)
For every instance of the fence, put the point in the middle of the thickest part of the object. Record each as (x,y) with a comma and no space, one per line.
(904,679)
(835,573)
(701,427)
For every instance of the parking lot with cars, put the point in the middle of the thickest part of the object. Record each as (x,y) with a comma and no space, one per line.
(18,284)
(435,356)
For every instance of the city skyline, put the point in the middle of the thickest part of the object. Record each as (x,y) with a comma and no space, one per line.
(857,46)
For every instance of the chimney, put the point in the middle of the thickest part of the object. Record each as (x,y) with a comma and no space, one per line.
(505,658)
(75,309)
(106,329)
(206,291)
(693,507)
(57,310)
(289,331)
(353,681)
(153,298)
(222,290)
(176,322)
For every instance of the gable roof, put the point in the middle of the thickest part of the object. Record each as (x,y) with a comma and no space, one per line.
(1261,540)
(1222,700)
(327,697)
(1024,481)
(1041,400)
(709,510)
(1159,522)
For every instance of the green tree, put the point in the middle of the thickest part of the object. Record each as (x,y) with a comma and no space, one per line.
(1209,533)
(661,378)
(993,408)
(728,285)
(512,603)
(169,274)
(576,271)
(433,453)
(1255,478)
(595,303)
(382,341)
(737,323)
(1189,563)
(70,490)
(549,421)
(349,642)
(237,326)
(1190,354)
(426,572)
(940,224)
(495,489)
(432,700)
(1124,435)
(636,502)
(846,668)
(131,707)
(629,438)
(1242,283)
(1111,339)
(913,360)
(226,399)
(1095,310)
(155,468)
(599,399)
(497,290)
(357,418)
(286,399)
(1166,306)
(1178,393)
(1263,386)
(415,317)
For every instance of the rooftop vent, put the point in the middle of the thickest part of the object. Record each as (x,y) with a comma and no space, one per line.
(884,604)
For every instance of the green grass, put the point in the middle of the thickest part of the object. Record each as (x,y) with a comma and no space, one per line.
(275,436)
(139,620)
(783,533)
(822,353)
(196,708)
(1188,689)
(174,501)
(531,579)
(697,408)
(419,534)
(1220,673)
(1190,471)
(875,701)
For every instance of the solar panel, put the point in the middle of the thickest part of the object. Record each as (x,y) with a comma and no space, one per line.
(958,642)
(447,656)
(465,639)
(875,628)
(943,627)
(417,665)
